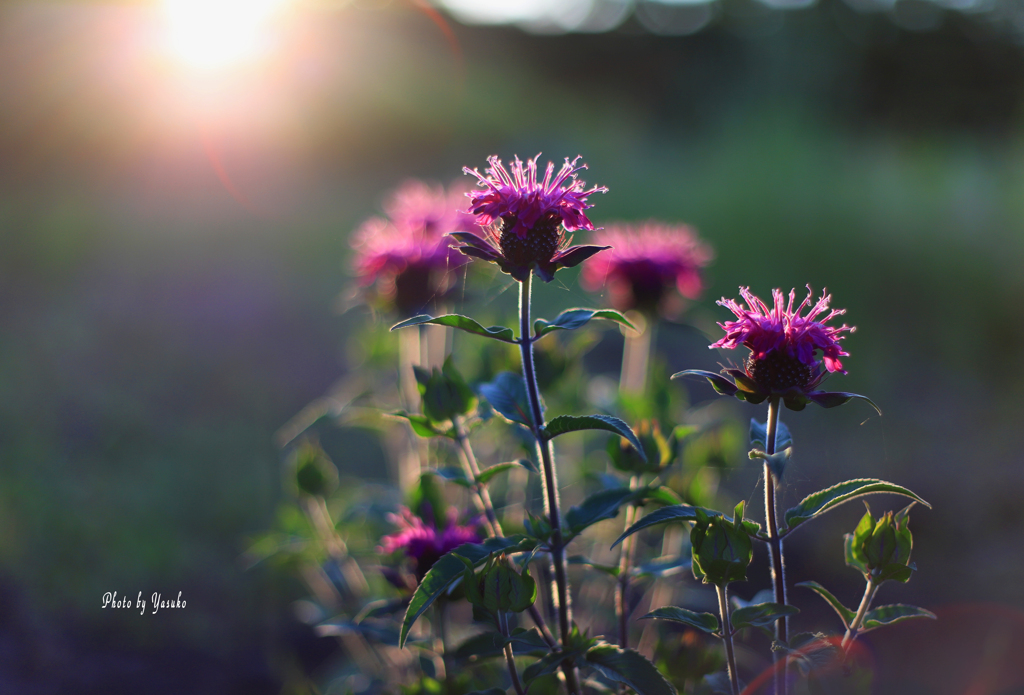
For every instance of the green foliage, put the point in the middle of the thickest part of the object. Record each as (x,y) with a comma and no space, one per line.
(571,319)
(659,451)
(818,503)
(776,462)
(451,567)
(881,548)
(315,473)
(759,435)
(683,513)
(507,395)
(491,644)
(705,622)
(722,550)
(892,614)
(629,667)
(845,614)
(761,614)
(499,588)
(575,423)
(599,506)
(445,394)
(463,323)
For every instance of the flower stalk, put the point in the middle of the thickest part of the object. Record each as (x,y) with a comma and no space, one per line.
(551,498)
(730,655)
(862,609)
(775,542)
(510,658)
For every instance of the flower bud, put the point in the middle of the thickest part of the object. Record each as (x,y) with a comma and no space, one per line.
(722,549)
(661,451)
(881,548)
(499,587)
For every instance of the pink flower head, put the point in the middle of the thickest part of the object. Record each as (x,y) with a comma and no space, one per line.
(423,542)
(407,255)
(526,219)
(782,329)
(645,262)
(519,195)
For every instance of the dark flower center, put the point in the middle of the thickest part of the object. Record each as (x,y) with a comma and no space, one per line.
(540,245)
(778,371)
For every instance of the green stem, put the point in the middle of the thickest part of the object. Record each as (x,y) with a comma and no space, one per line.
(551,501)
(730,656)
(625,563)
(858,620)
(510,658)
(775,545)
(483,502)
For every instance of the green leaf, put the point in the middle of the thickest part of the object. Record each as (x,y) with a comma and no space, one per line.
(420,424)
(599,506)
(896,571)
(507,395)
(489,691)
(630,667)
(491,644)
(581,560)
(662,495)
(845,614)
(574,423)
(463,323)
(571,319)
(452,475)
(720,383)
(853,543)
(664,566)
(543,666)
(707,622)
(820,502)
(761,614)
(890,615)
(759,436)
(451,567)
(681,513)
(529,465)
(832,399)
(488,473)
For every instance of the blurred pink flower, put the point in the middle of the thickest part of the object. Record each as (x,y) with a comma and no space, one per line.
(423,542)
(407,255)
(782,342)
(526,220)
(645,262)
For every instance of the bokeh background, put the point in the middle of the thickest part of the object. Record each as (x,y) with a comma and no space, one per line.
(177,196)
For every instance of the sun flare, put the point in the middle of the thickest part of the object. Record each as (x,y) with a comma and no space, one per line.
(220,33)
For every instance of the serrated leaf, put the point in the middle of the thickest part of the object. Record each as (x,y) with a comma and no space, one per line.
(543,666)
(576,423)
(761,614)
(450,567)
(892,614)
(820,502)
(630,667)
(507,395)
(845,614)
(759,435)
(720,383)
(707,622)
(599,506)
(896,571)
(681,513)
(571,319)
(463,323)
(488,473)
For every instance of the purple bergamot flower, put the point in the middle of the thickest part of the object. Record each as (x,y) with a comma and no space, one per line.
(528,223)
(645,263)
(785,344)
(424,543)
(407,256)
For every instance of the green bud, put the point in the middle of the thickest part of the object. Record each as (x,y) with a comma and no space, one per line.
(661,451)
(881,548)
(445,393)
(499,587)
(721,550)
(315,473)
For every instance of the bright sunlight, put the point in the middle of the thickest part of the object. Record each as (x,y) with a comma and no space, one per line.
(220,33)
